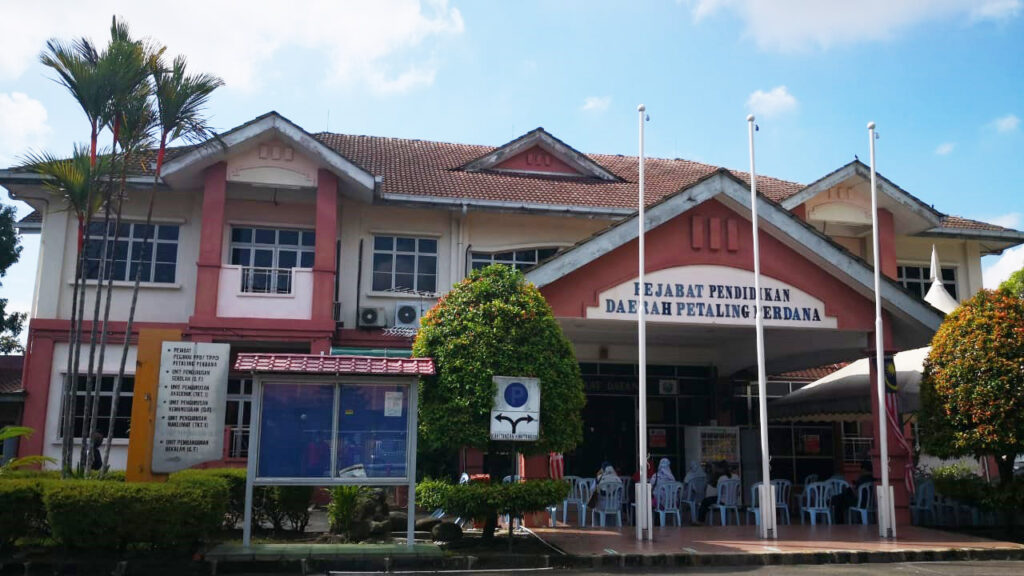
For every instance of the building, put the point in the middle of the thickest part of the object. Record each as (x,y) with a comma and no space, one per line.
(279,240)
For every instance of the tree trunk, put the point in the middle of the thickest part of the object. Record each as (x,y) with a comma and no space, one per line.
(68,393)
(116,399)
(88,426)
(1005,466)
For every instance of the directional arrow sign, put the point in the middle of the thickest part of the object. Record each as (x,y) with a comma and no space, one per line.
(516,412)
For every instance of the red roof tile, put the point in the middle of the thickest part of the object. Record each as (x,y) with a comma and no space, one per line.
(810,374)
(317,364)
(433,169)
(967,224)
(10,374)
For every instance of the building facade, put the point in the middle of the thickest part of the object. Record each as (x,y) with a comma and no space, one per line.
(278,240)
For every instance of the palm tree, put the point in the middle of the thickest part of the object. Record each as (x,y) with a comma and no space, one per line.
(123,66)
(74,181)
(138,122)
(75,65)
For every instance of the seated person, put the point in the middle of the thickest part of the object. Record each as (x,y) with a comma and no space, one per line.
(721,472)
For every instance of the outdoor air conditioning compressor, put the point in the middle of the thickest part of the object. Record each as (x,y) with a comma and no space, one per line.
(372,318)
(407,315)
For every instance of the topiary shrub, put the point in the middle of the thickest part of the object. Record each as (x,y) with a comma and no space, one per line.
(113,515)
(235,478)
(487,501)
(972,388)
(21,509)
(495,323)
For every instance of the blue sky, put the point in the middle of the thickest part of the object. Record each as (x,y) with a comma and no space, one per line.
(941,78)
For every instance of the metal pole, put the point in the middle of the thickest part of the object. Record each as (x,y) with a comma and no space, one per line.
(643,501)
(255,418)
(410,522)
(765,498)
(886,515)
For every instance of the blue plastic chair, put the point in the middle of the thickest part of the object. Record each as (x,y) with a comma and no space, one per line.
(609,503)
(728,499)
(815,502)
(865,504)
(667,496)
(693,494)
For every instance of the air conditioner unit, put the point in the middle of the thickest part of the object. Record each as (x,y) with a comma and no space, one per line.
(372,318)
(407,315)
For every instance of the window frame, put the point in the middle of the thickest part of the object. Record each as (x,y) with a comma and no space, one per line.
(490,257)
(154,241)
(416,255)
(80,394)
(275,248)
(924,280)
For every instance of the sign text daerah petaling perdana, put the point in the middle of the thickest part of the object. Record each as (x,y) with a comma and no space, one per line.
(711,295)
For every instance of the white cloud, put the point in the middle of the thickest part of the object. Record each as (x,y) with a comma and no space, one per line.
(945,148)
(1006,123)
(596,103)
(775,102)
(998,271)
(1011,220)
(23,126)
(996,10)
(794,25)
(386,44)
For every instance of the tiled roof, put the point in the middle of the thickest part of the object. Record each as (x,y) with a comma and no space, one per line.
(317,364)
(432,169)
(967,224)
(10,374)
(33,217)
(809,374)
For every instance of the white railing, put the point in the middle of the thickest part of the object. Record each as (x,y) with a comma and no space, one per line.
(266,280)
(857,449)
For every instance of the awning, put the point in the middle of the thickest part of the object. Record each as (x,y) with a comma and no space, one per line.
(374,352)
(318,364)
(846,393)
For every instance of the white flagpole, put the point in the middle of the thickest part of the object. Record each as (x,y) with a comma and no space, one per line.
(643,498)
(766,497)
(886,511)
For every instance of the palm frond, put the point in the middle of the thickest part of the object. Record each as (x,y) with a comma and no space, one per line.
(8,432)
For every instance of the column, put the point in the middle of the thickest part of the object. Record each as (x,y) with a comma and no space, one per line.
(211,240)
(887,243)
(324,277)
(36,382)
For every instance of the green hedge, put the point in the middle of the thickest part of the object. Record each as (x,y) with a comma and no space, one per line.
(108,515)
(488,500)
(21,509)
(235,478)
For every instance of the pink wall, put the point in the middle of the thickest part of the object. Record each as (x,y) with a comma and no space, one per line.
(536,159)
(689,239)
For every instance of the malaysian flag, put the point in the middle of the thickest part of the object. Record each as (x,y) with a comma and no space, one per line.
(892,413)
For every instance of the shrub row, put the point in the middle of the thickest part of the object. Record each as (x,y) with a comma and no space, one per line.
(110,514)
(273,504)
(489,500)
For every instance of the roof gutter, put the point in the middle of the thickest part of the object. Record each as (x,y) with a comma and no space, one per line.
(463,203)
(1006,235)
(30,178)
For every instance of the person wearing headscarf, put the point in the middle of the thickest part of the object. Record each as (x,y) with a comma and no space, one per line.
(693,471)
(664,473)
(608,475)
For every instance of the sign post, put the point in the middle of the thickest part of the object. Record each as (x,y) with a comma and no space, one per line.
(147,372)
(516,412)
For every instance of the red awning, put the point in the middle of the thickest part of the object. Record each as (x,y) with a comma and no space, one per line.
(317,364)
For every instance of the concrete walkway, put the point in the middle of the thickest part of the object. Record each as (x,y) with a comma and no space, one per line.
(797,544)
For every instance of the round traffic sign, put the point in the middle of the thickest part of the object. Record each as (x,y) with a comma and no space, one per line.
(516,394)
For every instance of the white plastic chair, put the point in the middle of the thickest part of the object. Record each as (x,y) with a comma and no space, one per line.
(579,496)
(728,499)
(609,503)
(783,489)
(627,497)
(923,505)
(667,496)
(815,502)
(865,507)
(693,494)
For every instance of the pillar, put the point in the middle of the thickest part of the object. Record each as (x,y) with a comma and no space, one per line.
(36,382)
(324,273)
(211,240)
(887,243)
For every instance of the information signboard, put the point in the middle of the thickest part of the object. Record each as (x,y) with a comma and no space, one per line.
(516,412)
(190,405)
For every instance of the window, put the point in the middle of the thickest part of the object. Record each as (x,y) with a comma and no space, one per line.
(267,256)
(122,420)
(917,279)
(156,262)
(237,416)
(520,259)
(404,264)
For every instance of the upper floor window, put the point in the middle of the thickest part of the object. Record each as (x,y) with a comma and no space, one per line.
(917,279)
(152,251)
(402,263)
(267,256)
(520,259)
